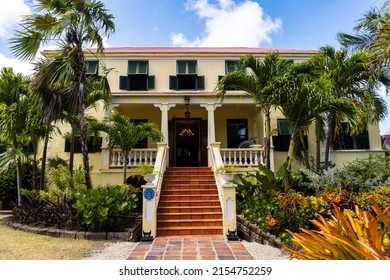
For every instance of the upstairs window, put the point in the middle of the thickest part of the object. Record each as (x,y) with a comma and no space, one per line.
(138,77)
(186,76)
(230,66)
(352,142)
(92,68)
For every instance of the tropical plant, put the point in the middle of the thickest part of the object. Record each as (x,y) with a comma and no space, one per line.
(75,25)
(122,132)
(371,34)
(302,97)
(18,120)
(105,208)
(252,76)
(345,237)
(350,79)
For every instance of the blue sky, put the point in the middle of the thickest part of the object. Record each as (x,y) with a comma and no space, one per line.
(298,24)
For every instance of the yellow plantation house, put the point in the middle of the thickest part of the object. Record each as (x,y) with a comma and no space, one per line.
(175,89)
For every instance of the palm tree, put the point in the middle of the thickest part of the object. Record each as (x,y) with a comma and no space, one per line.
(351,78)
(125,134)
(252,77)
(372,35)
(75,25)
(52,83)
(16,121)
(302,99)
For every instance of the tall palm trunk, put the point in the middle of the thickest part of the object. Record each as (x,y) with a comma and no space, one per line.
(290,156)
(318,153)
(84,144)
(72,148)
(44,156)
(19,183)
(304,150)
(79,87)
(267,140)
(329,142)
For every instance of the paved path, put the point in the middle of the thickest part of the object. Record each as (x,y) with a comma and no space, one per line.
(5,213)
(190,248)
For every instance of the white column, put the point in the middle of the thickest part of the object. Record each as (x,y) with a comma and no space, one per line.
(210,107)
(164,107)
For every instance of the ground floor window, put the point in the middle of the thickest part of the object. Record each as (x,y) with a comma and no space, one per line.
(347,141)
(94,144)
(237,132)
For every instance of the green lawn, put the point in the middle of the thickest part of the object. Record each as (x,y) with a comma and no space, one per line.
(19,245)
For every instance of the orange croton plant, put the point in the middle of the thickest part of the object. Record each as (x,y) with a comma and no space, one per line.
(345,236)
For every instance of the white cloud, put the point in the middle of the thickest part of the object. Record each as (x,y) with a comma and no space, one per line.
(17,65)
(230,24)
(10,15)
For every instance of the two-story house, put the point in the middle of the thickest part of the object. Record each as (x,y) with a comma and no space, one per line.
(175,88)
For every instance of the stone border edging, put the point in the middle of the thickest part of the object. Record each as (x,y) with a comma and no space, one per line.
(132,234)
(251,233)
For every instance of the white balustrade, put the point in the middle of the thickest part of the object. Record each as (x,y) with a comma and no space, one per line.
(242,157)
(136,157)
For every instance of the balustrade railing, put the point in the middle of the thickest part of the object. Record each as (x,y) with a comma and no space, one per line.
(135,158)
(242,157)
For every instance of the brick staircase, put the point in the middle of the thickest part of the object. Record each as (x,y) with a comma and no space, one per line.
(189,203)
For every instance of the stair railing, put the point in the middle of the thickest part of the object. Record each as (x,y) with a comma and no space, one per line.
(151,193)
(226,191)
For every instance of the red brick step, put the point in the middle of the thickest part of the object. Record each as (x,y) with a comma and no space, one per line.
(189,203)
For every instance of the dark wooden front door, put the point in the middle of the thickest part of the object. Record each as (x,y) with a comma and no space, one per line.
(187,143)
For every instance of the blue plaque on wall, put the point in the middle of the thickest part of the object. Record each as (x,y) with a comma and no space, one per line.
(149,194)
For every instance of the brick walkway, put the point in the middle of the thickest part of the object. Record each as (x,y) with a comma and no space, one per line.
(190,248)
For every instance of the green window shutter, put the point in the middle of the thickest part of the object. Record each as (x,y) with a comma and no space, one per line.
(231,66)
(283,127)
(200,82)
(173,82)
(150,82)
(124,82)
(186,67)
(137,67)
(92,67)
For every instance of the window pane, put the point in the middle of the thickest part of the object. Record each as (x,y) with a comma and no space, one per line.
(92,68)
(283,127)
(181,67)
(237,132)
(191,67)
(231,65)
(137,67)
(186,67)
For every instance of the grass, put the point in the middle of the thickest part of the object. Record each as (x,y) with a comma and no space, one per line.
(19,245)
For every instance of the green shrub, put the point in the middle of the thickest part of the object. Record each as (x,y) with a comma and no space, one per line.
(362,175)
(8,186)
(106,208)
(381,196)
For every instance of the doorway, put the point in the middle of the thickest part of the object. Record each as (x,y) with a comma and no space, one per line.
(187,143)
